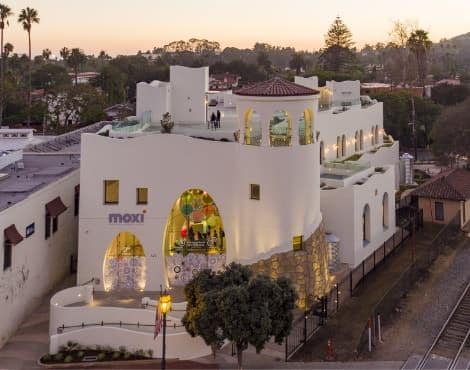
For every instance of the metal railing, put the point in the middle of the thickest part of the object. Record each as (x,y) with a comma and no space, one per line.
(61,329)
(314,317)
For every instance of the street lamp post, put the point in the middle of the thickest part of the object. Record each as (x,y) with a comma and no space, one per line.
(165,306)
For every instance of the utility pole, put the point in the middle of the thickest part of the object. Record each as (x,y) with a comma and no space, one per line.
(413,125)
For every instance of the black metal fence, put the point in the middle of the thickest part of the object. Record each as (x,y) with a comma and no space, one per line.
(384,310)
(306,326)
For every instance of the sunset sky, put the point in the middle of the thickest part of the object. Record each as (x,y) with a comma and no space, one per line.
(124,27)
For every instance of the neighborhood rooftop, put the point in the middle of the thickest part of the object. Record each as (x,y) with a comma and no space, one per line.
(452,185)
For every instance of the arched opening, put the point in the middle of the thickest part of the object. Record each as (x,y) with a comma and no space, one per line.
(280,129)
(377,135)
(322,152)
(338,146)
(306,127)
(356,141)
(366,225)
(124,266)
(361,140)
(253,133)
(194,237)
(385,211)
(343,146)
(372,136)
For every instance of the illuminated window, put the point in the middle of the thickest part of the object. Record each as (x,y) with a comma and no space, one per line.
(252,128)
(280,129)
(343,146)
(356,141)
(361,140)
(255,191)
(338,146)
(111,191)
(297,242)
(142,195)
(306,128)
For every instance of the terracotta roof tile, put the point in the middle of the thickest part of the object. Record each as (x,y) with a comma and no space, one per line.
(452,185)
(276,87)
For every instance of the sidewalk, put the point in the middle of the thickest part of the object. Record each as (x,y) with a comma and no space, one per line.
(31,340)
(345,328)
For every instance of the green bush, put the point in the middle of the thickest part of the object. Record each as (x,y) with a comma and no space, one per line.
(68,359)
(101,356)
(116,355)
(46,358)
(150,353)
(122,349)
(127,355)
(59,357)
(80,354)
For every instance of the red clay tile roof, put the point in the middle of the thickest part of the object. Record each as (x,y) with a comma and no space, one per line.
(452,185)
(275,87)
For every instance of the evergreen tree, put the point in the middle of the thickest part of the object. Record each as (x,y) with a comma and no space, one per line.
(338,53)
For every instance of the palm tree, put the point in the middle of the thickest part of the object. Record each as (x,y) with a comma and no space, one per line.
(27,17)
(5,12)
(75,60)
(419,45)
(64,53)
(46,54)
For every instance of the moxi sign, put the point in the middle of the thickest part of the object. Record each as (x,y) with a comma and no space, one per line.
(126,218)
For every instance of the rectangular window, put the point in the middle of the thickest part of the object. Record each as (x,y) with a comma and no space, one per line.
(439,211)
(55,224)
(142,195)
(6,255)
(111,191)
(297,242)
(30,230)
(48,226)
(255,191)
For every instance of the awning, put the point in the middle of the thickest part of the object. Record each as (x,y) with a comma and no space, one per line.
(12,234)
(55,207)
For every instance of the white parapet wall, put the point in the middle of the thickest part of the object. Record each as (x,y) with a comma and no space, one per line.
(89,325)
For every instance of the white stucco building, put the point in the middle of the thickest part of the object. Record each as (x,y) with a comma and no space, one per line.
(289,161)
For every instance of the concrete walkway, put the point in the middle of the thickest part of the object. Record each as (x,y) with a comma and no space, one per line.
(31,340)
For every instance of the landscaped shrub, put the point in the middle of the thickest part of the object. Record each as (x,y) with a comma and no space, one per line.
(59,357)
(116,355)
(68,359)
(101,356)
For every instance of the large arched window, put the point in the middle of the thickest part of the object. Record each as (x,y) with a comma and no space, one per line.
(356,141)
(366,224)
(280,129)
(194,237)
(338,146)
(253,131)
(377,135)
(361,140)
(306,127)
(343,146)
(124,266)
(385,211)
(322,152)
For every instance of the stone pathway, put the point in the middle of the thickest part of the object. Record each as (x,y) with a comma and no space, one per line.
(31,340)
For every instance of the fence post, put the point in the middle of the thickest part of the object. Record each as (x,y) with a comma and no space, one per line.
(337,297)
(305,327)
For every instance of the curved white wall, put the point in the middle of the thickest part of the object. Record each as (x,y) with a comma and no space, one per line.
(170,164)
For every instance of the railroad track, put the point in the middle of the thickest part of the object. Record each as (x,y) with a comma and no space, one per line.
(453,340)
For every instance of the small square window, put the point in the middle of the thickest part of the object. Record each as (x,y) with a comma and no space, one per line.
(30,230)
(142,195)
(255,191)
(111,191)
(297,242)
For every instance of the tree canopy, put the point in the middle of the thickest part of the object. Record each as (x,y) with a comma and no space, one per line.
(451,133)
(233,305)
(338,53)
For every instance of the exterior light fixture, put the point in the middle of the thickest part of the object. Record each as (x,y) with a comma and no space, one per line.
(165,307)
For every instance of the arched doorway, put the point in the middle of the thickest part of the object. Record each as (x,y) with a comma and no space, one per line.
(124,266)
(194,237)
(280,128)
(306,127)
